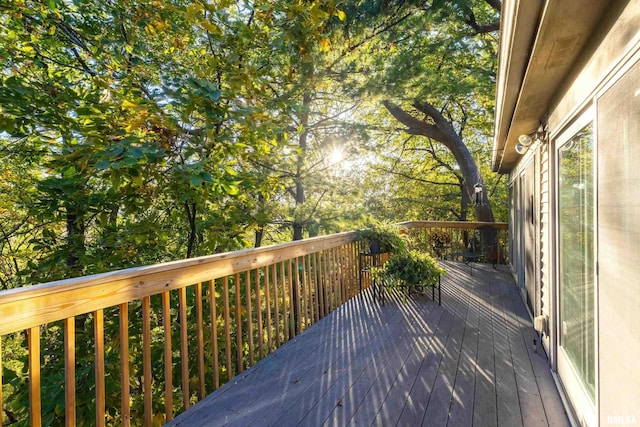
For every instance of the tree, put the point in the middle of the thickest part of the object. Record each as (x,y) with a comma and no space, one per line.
(441,77)
(442,131)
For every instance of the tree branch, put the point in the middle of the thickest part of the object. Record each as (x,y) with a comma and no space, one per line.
(495,4)
(413,178)
(414,126)
(315,207)
(479,28)
(385,26)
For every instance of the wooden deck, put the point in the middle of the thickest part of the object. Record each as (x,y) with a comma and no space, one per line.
(410,362)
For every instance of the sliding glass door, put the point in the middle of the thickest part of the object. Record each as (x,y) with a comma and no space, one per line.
(576,264)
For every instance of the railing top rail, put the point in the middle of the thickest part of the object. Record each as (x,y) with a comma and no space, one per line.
(455,224)
(26,307)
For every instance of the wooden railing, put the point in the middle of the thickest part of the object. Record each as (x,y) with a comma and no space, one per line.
(451,240)
(139,346)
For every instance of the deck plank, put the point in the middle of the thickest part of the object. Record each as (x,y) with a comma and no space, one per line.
(408,362)
(508,404)
(484,403)
(461,409)
(532,410)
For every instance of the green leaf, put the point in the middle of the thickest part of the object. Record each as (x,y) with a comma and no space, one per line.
(103,164)
(231,190)
(136,152)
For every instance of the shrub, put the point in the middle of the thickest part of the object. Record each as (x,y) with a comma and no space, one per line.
(412,268)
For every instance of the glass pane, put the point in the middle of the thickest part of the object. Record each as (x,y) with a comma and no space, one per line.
(576,250)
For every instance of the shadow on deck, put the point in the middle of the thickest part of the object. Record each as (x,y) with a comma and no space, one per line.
(409,362)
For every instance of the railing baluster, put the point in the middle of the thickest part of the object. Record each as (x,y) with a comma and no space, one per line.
(247,280)
(337,275)
(353,287)
(354,269)
(314,284)
(34,377)
(326,283)
(342,278)
(227,320)
(168,358)
(214,334)
(125,405)
(285,321)
(320,285)
(200,332)
(69,371)
(346,266)
(341,274)
(184,349)
(274,272)
(330,281)
(259,315)
(351,271)
(238,320)
(317,286)
(307,280)
(297,294)
(293,305)
(306,296)
(267,298)
(98,328)
(146,360)
(283,307)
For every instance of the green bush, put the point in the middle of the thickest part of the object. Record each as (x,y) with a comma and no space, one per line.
(386,236)
(412,268)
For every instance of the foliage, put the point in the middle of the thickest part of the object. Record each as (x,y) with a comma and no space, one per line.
(383,237)
(412,268)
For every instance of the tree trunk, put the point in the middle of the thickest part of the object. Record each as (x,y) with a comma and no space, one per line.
(259,234)
(298,225)
(442,131)
(464,203)
(190,209)
(75,236)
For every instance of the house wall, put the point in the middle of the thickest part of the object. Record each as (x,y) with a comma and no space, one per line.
(538,156)
(546,284)
(523,249)
(606,77)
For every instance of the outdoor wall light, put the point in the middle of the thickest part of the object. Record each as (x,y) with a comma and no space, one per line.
(478,195)
(525,140)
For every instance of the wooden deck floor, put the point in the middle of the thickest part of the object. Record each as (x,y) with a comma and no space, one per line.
(407,363)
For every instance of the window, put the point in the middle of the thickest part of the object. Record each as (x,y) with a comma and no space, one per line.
(576,255)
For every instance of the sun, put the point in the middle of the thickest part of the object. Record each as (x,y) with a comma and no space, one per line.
(336,155)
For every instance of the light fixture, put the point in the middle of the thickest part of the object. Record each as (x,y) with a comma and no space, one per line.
(478,195)
(525,140)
